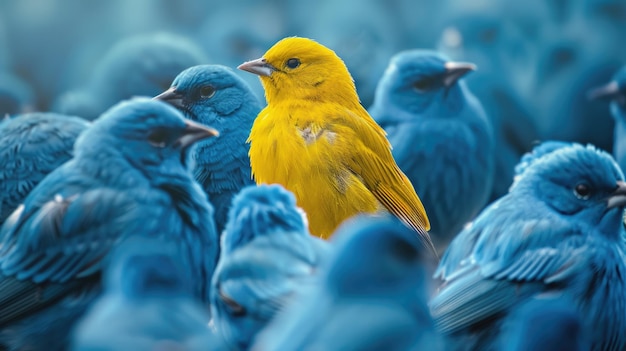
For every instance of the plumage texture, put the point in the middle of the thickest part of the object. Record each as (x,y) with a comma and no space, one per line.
(141,65)
(267,258)
(148,304)
(371,296)
(215,96)
(128,177)
(316,139)
(545,324)
(558,232)
(31,146)
(441,137)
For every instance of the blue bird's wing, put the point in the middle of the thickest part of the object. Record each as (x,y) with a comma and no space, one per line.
(48,250)
(504,268)
(32,146)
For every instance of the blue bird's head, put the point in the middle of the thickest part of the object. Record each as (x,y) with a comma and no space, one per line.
(262,210)
(614,91)
(538,152)
(579,182)
(377,257)
(216,96)
(422,82)
(152,136)
(143,65)
(147,267)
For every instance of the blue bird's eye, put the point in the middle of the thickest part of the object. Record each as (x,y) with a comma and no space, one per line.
(207,92)
(582,191)
(423,85)
(293,63)
(158,138)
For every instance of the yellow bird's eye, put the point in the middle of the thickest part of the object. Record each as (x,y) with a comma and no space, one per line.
(293,63)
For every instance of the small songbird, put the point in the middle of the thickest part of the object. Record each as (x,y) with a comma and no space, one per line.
(128,177)
(267,258)
(371,296)
(31,146)
(148,304)
(433,119)
(216,97)
(615,91)
(545,324)
(316,139)
(558,232)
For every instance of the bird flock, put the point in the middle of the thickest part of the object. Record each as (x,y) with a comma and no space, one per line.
(287,175)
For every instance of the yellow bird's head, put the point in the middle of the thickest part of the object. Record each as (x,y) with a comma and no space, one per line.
(304,69)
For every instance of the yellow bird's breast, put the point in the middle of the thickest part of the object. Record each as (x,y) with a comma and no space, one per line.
(306,153)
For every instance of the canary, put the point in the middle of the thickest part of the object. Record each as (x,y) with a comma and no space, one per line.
(315,138)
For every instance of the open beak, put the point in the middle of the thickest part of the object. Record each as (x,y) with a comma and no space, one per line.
(456,70)
(258,66)
(172,97)
(617,197)
(605,92)
(195,132)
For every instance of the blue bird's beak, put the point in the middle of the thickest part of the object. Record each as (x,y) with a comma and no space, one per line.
(617,197)
(456,70)
(172,97)
(259,67)
(193,133)
(605,92)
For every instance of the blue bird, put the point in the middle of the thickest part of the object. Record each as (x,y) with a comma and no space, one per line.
(31,146)
(615,91)
(215,96)
(128,177)
(147,304)
(141,65)
(558,232)
(545,324)
(441,137)
(16,96)
(267,258)
(371,295)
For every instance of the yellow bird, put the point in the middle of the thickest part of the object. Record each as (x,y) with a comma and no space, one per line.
(316,139)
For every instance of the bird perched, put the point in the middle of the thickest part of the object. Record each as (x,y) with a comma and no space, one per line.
(267,257)
(31,146)
(431,118)
(148,304)
(545,324)
(371,296)
(127,178)
(142,65)
(558,232)
(215,96)
(316,139)
(615,91)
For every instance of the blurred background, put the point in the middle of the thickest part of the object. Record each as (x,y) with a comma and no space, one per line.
(537,59)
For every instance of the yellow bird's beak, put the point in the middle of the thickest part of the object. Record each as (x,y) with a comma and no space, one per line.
(259,66)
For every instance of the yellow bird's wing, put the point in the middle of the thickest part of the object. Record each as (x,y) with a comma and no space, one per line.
(371,159)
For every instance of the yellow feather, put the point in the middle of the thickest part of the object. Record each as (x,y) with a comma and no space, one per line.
(316,139)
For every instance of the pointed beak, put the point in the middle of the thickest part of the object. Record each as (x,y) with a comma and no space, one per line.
(617,197)
(456,70)
(172,97)
(195,132)
(605,92)
(258,66)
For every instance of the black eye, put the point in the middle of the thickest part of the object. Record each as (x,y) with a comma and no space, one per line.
(423,85)
(293,63)
(582,191)
(207,92)
(158,138)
